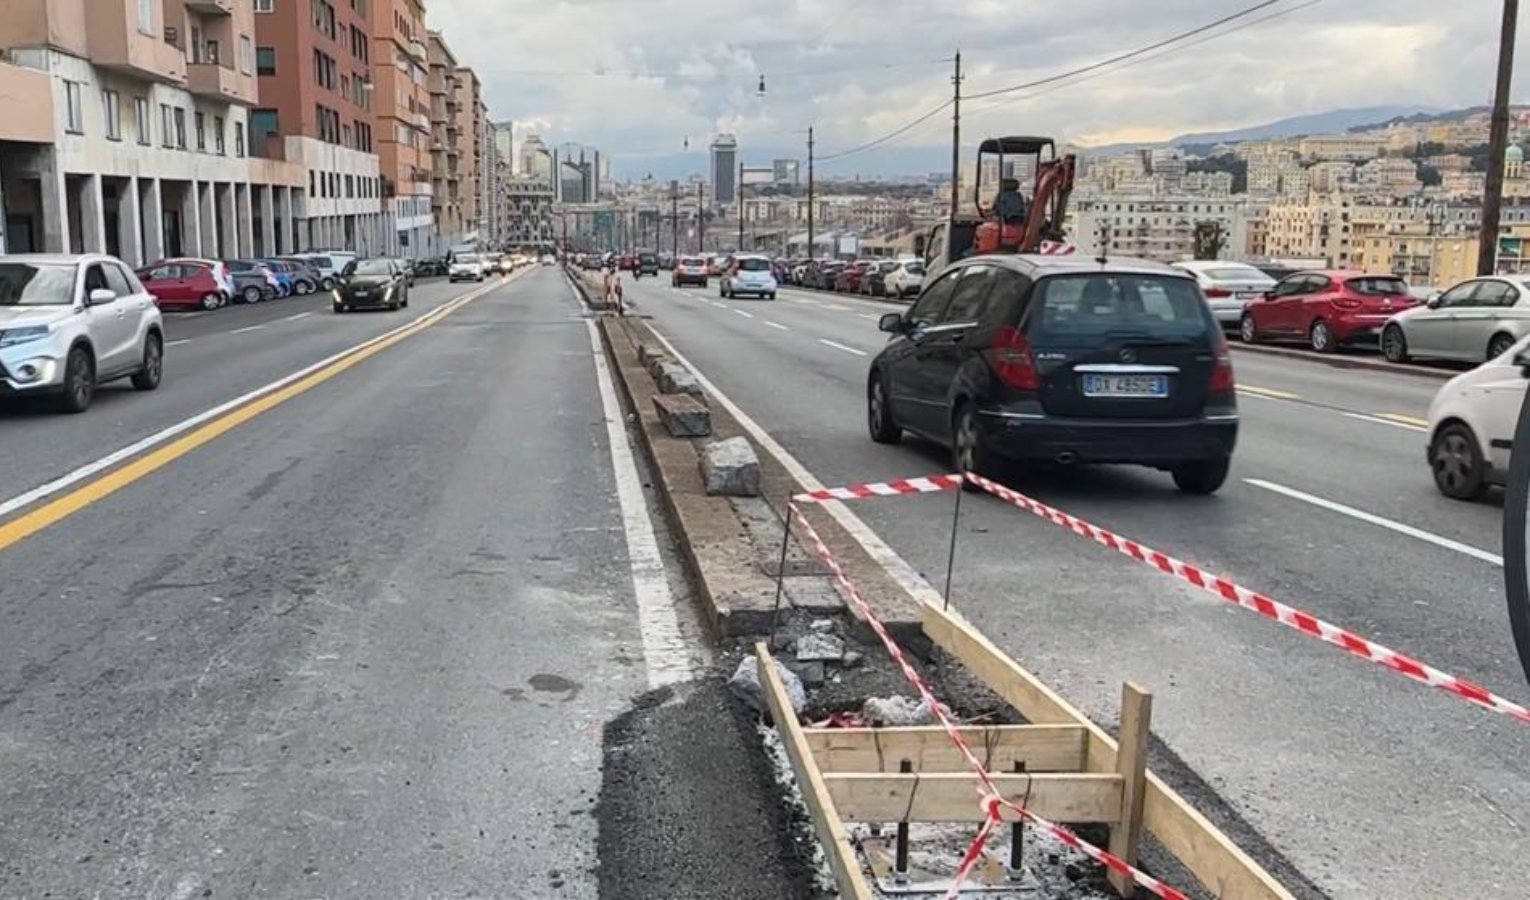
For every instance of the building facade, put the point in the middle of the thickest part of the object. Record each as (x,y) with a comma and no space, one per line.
(724,170)
(401,111)
(528,213)
(1159,228)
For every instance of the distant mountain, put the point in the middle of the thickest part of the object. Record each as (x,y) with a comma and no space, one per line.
(1336,121)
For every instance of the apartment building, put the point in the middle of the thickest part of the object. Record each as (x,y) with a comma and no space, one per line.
(464,130)
(528,213)
(1160,228)
(1321,229)
(146,104)
(401,117)
(476,112)
(313,62)
(445,152)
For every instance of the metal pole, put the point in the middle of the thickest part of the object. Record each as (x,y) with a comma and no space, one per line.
(674,217)
(738,196)
(900,848)
(956,520)
(810,250)
(956,133)
(786,536)
(1017,841)
(701,217)
(1498,144)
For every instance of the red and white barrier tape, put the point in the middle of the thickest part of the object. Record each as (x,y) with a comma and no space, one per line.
(928,485)
(990,797)
(1294,618)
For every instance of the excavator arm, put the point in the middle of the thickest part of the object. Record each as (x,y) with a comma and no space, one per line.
(1054,185)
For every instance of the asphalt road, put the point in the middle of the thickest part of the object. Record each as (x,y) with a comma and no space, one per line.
(376,638)
(1373,786)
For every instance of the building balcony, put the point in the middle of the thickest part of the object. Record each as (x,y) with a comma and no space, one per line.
(211,7)
(417,49)
(27,98)
(219,82)
(115,43)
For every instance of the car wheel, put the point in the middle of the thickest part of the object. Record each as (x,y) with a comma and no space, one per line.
(1248,329)
(1500,345)
(1457,463)
(147,378)
(879,416)
(328,284)
(304,288)
(211,301)
(1321,337)
(79,381)
(969,449)
(771,296)
(1204,477)
(1394,344)
(339,308)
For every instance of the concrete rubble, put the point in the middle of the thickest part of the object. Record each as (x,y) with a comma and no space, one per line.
(745,684)
(683,415)
(730,468)
(897,711)
(820,648)
(674,378)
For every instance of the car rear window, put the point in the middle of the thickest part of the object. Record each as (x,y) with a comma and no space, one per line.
(466,258)
(690,261)
(754,265)
(1070,308)
(1236,273)
(1377,286)
(914,268)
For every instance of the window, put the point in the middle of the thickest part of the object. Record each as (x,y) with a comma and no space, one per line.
(146,16)
(350,191)
(324,18)
(971,298)
(141,120)
(246,54)
(238,139)
(180,128)
(265,6)
(265,60)
(932,304)
(95,280)
(117,281)
(1086,308)
(111,106)
(218,144)
(167,123)
(312,186)
(200,123)
(210,53)
(75,123)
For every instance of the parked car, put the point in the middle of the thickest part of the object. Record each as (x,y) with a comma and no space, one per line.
(305,278)
(282,276)
(1475,321)
(1228,287)
(253,282)
(1325,309)
(188,283)
(874,282)
(1472,422)
(748,274)
(689,270)
(905,280)
(827,274)
(1060,360)
(408,265)
(647,264)
(328,266)
(70,323)
(466,266)
(549,260)
(378,283)
(294,278)
(848,280)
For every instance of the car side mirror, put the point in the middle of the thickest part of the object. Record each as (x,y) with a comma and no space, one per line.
(1432,303)
(101,296)
(892,323)
(1522,359)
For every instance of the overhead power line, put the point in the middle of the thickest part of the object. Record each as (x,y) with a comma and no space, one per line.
(869,145)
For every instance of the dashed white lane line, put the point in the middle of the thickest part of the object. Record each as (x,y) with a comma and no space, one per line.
(1372,518)
(301,315)
(869,316)
(1381,420)
(836,307)
(747,315)
(247,328)
(664,649)
(177,343)
(828,343)
(777,325)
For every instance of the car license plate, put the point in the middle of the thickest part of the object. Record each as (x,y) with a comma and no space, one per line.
(1246,295)
(1126,386)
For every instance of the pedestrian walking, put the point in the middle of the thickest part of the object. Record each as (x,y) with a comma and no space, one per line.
(614,290)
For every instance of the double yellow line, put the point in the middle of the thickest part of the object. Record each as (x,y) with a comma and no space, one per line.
(30,523)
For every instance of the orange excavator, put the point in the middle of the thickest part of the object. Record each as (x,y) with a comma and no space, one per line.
(1012,221)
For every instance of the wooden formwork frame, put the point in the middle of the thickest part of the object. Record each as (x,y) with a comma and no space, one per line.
(1075,772)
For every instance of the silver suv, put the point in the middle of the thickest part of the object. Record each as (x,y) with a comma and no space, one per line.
(69,323)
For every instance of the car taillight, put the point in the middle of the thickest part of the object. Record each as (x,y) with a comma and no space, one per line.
(1218,292)
(1012,360)
(1345,301)
(1222,381)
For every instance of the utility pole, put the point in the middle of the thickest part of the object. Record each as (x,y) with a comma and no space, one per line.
(701,217)
(738,196)
(956,133)
(674,217)
(812,254)
(1498,144)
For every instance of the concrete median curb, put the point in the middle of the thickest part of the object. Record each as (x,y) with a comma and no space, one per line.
(1340,361)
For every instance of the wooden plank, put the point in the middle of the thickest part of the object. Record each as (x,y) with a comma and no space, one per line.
(826,821)
(1043,748)
(1222,866)
(954,796)
(1131,765)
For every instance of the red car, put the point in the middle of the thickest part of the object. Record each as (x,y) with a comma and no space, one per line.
(188,283)
(1325,309)
(849,280)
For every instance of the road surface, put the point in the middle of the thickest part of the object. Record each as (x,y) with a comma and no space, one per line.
(1371,785)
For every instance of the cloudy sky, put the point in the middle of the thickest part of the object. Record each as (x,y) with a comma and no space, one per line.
(858,69)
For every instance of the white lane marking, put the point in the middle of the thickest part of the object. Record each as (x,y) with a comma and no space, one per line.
(247,328)
(189,315)
(1383,421)
(747,315)
(869,316)
(828,343)
(177,343)
(302,315)
(897,568)
(90,470)
(1373,519)
(836,307)
(664,651)
(777,325)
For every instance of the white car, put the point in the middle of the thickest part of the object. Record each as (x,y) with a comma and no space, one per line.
(70,323)
(1471,425)
(906,280)
(748,274)
(465,266)
(1227,286)
(548,260)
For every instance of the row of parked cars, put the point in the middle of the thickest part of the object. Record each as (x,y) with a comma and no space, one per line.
(895,278)
(207,284)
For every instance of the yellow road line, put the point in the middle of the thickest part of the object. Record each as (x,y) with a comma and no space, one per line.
(1267,392)
(1406,420)
(24,526)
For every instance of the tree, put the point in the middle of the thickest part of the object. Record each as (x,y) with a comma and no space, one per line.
(1429,176)
(1209,240)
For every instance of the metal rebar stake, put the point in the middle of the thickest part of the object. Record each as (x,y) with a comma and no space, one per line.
(900,847)
(1017,841)
(956,518)
(786,537)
